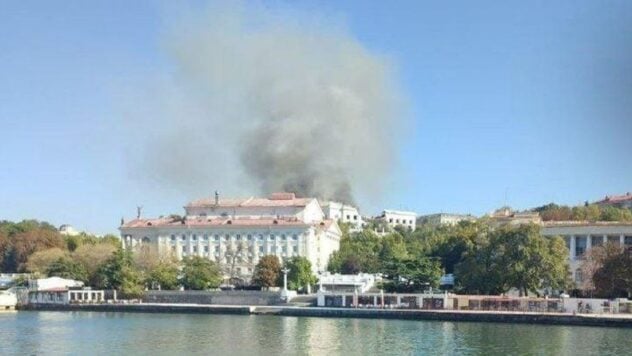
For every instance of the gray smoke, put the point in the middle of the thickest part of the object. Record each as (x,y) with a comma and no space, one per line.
(274,99)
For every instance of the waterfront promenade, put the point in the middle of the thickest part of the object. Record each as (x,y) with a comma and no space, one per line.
(605,320)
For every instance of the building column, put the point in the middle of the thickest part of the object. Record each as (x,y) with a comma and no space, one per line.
(375,300)
(588,242)
(605,239)
(572,247)
(621,240)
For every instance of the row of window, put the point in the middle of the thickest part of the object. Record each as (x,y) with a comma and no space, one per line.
(273,249)
(238,237)
(581,242)
(403,221)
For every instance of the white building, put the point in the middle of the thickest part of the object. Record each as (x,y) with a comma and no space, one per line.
(441,219)
(581,236)
(399,218)
(53,283)
(359,283)
(343,213)
(236,233)
(68,230)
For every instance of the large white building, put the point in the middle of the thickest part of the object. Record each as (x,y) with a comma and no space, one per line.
(236,233)
(581,236)
(394,218)
(343,213)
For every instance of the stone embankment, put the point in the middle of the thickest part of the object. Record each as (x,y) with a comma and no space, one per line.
(608,320)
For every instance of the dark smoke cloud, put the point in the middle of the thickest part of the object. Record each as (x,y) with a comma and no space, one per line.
(274,100)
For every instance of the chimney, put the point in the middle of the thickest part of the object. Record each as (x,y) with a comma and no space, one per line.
(216,197)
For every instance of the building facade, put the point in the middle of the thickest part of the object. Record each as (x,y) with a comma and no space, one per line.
(435,220)
(581,236)
(345,213)
(394,218)
(236,233)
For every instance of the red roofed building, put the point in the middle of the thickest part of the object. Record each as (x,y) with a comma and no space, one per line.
(236,233)
(621,201)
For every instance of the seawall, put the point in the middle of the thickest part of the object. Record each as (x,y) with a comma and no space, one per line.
(603,320)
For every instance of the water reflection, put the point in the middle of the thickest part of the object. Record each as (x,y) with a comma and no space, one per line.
(173,334)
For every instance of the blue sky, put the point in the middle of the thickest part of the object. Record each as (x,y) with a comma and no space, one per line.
(513,102)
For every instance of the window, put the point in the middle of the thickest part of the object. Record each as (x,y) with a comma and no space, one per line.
(194,249)
(260,237)
(184,248)
(184,237)
(173,248)
(283,237)
(390,220)
(596,241)
(260,249)
(627,241)
(227,237)
(216,248)
(284,250)
(397,221)
(295,249)
(194,237)
(348,217)
(614,240)
(238,237)
(249,237)
(271,237)
(355,217)
(295,237)
(205,237)
(579,276)
(216,237)
(173,237)
(580,246)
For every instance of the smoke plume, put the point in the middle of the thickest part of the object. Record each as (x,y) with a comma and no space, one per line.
(271,100)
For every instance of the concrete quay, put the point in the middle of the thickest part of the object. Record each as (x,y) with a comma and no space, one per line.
(602,320)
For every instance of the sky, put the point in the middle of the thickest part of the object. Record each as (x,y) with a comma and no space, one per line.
(511,103)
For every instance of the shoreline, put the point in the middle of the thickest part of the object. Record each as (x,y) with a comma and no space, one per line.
(600,320)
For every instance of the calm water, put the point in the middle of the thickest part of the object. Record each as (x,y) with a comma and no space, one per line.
(87,333)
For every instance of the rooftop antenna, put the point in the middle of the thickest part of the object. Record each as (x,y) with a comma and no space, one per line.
(216,197)
(139,210)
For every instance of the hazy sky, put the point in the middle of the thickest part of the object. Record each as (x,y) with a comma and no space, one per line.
(511,102)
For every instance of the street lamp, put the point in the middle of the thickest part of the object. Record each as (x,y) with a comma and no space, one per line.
(285,272)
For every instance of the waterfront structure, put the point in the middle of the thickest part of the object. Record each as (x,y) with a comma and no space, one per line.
(351,283)
(507,216)
(619,201)
(343,213)
(394,218)
(441,219)
(56,290)
(53,283)
(236,233)
(581,236)
(8,300)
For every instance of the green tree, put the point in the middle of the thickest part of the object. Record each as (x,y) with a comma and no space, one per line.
(92,257)
(165,274)
(40,261)
(199,273)
(363,248)
(300,275)
(267,271)
(413,275)
(614,278)
(118,272)
(65,267)
(517,257)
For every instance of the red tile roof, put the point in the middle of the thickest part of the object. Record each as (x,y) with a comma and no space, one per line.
(616,199)
(225,222)
(275,200)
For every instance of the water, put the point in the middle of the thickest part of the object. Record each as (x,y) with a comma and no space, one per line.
(88,333)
